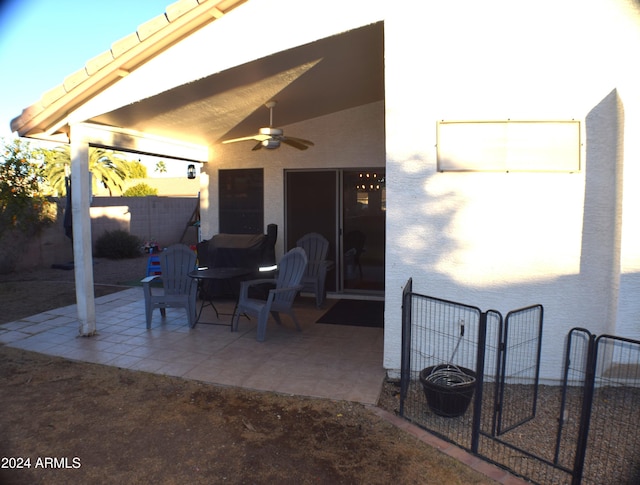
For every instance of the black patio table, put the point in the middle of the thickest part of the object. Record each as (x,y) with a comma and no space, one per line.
(222,274)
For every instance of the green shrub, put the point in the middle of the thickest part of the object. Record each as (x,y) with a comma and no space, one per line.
(140,190)
(23,207)
(117,244)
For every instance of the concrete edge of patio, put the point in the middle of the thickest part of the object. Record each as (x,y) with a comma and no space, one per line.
(476,463)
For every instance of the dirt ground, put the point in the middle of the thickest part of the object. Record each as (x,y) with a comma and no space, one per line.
(72,422)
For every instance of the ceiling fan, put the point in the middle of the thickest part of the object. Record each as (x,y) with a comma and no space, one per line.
(271,137)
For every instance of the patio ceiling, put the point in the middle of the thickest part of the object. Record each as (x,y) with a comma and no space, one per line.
(326,76)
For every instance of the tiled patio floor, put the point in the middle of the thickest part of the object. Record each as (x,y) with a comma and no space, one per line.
(323,361)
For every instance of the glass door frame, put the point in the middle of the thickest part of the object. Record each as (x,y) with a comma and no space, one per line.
(338,233)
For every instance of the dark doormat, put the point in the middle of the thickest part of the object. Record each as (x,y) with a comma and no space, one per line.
(361,313)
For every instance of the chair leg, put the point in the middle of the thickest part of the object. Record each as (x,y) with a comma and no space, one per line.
(295,320)
(276,317)
(148,311)
(235,319)
(263,317)
(190,316)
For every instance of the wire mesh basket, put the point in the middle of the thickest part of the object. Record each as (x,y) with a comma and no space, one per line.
(448,388)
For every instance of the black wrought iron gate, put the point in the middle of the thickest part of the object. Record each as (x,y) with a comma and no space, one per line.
(602,387)
(540,432)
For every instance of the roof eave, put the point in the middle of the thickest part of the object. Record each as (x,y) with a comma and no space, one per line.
(47,117)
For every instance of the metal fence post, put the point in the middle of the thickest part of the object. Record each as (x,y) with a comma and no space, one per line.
(477,404)
(585,416)
(405,364)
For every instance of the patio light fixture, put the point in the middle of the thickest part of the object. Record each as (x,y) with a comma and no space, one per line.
(191,171)
(368,182)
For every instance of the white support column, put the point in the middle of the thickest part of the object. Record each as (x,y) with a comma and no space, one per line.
(82,252)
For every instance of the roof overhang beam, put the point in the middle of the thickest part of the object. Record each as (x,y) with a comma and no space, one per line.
(137,142)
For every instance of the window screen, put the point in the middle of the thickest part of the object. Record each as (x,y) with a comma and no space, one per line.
(241,201)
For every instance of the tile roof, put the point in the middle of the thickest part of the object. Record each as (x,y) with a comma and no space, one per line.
(47,117)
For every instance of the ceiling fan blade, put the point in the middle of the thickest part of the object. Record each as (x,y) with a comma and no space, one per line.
(296,143)
(270,137)
(300,140)
(247,138)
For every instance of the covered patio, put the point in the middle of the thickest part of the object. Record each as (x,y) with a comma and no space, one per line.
(506,226)
(323,361)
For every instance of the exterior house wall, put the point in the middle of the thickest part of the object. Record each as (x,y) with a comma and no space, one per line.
(495,240)
(507,240)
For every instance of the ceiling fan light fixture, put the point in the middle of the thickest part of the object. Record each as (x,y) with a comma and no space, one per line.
(271,143)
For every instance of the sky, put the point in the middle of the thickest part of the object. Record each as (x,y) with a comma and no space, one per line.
(44,41)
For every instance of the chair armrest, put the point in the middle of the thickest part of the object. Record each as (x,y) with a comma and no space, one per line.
(284,290)
(149,279)
(275,291)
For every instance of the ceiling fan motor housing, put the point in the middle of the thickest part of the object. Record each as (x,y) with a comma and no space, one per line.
(271,131)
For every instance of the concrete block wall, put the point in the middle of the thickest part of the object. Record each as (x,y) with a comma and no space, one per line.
(105,219)
(161,218)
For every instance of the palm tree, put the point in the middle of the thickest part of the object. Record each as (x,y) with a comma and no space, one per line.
(108,168)
(105,165)
(161,167)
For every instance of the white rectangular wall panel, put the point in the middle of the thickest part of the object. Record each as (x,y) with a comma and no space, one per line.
(508,146)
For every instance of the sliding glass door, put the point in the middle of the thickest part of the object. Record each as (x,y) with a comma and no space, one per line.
(348,208)
(363,229)
(311,206)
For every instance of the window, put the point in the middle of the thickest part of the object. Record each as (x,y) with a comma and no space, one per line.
(241,201)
